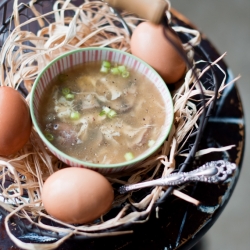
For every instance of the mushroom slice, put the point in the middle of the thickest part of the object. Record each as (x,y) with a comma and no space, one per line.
(109,133)
(126,101)
(64,133)
(87,101)
(109,89)
(141,137)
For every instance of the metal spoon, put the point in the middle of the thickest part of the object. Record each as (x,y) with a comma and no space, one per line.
(211,172)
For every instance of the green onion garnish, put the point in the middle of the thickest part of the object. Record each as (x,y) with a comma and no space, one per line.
(125,74)
(115,71)
(102,113)
(111,113)
(107,111)
(104,69)
(129,156)
(151,143)
(49,136)
(122,68)
(69,96)
(106,64)
(65,91)
(75,115)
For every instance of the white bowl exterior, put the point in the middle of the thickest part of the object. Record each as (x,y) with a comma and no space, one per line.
(73,58)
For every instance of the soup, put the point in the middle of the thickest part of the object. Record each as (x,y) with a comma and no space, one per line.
(101,113)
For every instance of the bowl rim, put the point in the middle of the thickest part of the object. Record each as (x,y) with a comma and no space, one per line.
(137,159)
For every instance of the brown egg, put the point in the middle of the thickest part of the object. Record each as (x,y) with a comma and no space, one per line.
(15,121)
(149,44)
(77,195)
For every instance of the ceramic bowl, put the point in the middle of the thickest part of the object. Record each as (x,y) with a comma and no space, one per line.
(81,56)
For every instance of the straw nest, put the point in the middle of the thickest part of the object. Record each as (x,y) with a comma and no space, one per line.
(24,54)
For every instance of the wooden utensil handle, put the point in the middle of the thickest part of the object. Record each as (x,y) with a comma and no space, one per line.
(153,11)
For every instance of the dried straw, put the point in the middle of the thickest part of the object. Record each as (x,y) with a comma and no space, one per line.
(22,175)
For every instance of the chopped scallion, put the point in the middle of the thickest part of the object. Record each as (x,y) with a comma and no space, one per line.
(65,91)
(49,136)
(106,64)
(75,115)
(69,96)
(129,156)
(104,69)
(102,113)
(111,113)
(106,110)
(151,143)
(125,74)
(122,68)
(115,71)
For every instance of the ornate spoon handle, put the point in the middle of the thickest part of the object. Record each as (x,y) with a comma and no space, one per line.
(211,172)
